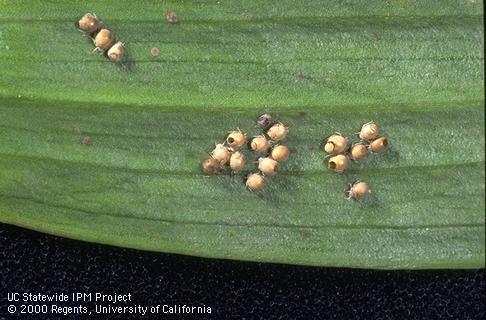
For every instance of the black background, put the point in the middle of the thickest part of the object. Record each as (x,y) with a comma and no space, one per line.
(35,262)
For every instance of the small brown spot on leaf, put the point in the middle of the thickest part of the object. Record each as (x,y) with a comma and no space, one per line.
(376,35)
(375,67)
(299,74)
(304,234)
(311,147)
(86,140)
(171,17)
(154,52)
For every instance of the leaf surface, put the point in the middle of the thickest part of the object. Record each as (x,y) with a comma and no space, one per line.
(415,67)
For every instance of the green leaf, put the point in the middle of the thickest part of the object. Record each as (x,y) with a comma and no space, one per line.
(415,67)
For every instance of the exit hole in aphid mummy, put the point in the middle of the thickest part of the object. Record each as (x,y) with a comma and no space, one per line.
(332,165)
(231,140)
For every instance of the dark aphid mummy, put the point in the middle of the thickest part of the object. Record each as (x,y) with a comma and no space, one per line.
(264,122)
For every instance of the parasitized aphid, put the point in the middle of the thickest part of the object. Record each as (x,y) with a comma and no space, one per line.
(221,153)
(259,144)
(358,190)
(237,161)
(264,121)
(89,23)
(338,163)
(236,139)
(268,166)
(255,182)
(211,166)
(103,40)
(116,52)
(336,144)
(379,145)
(358,151)
(280,153)
(278,132)
(369,131)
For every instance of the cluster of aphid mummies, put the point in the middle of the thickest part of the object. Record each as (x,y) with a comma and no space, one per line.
(103,39)
(268,144)
(340,153)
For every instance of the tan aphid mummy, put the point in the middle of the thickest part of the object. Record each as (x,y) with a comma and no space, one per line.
(335,144)
(378,145)
(211,166)
(280,153)
(236,139)
(358,190)
(278,132)
(268,166)
(338,163)
(89,23)
(103,40)
(358,151)
(221,153)
(237,161)
(116,52)
(369,131)
(259,144)
(255,182)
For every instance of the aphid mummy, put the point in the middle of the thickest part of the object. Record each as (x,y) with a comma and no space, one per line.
(358,190)
(221,153)
(335,144)
(264,122)
(268,166)
(369,131)
(116,52)
(236,139)
(237,161)
(338,163)
(278,132)
(280,153)
(255,182)
(89,23)
(211,166)
(358,151)
(103,40)
(259,144)
(378,145)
